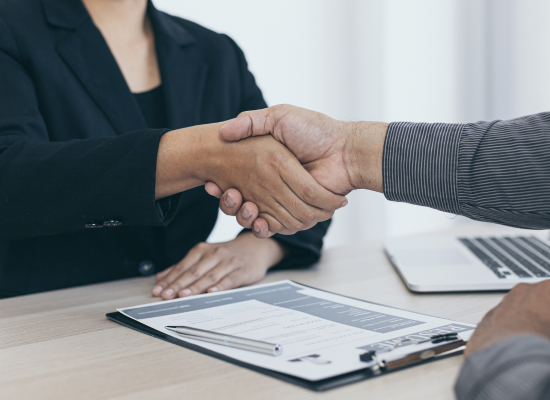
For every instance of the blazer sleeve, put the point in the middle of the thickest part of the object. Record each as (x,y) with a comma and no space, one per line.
(304,248)
(53,187)
(516,368)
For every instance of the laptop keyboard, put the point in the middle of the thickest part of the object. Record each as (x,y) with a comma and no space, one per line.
(489,245)
(525,257)
(483,257)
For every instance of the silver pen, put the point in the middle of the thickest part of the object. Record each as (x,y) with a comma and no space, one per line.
(258,346)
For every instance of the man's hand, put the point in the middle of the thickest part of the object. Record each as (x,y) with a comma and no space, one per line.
(340,156)
(316,140)
(523,311)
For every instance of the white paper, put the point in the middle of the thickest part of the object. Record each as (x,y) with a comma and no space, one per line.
(322,334)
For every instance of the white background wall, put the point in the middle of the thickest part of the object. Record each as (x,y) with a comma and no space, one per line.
(388,60)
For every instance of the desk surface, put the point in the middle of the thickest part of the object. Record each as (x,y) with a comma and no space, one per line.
(59,345)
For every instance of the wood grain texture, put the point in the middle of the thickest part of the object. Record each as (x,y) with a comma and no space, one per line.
(59,345)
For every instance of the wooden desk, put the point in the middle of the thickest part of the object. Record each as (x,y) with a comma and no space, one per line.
(59,345)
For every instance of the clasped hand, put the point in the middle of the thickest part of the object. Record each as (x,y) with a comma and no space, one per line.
(340,156)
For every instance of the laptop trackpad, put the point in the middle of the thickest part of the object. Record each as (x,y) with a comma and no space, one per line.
(431,257)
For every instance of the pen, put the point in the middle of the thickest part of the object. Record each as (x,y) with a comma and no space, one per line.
(227,340)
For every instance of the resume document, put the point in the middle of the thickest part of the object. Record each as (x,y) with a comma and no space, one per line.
(322,333)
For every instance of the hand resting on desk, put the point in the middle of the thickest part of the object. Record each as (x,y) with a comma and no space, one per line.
(219,266)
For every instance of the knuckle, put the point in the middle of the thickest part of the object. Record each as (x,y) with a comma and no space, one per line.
(175,286)
(202,246)
(163,283)
(212,276)
(295,226)
(287,227)
(167,281)
(308,194)
(177,269)
(275,226)
(194,272)
(221,251)
(195,289)
(272,223)
(308,217)
(228,282)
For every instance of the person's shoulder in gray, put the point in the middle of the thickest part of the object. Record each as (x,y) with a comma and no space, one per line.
(508,357)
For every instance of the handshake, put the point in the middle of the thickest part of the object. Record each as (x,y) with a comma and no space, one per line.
(302,179)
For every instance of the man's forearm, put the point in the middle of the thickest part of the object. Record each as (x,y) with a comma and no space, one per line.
(363,154)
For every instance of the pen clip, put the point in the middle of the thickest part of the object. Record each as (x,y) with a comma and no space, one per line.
(384,360)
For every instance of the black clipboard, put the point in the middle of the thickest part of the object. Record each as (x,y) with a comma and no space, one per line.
(320,385)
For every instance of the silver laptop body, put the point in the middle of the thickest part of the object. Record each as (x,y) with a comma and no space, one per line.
(469,263)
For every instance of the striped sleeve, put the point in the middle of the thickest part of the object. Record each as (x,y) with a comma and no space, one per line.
(515,368)
(495,171)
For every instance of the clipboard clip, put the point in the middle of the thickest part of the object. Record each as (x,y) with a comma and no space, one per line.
(388,360)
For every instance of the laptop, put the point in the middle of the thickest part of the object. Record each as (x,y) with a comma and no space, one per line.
(469,263)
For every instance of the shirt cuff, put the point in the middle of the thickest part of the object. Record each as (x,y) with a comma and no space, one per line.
(420,164)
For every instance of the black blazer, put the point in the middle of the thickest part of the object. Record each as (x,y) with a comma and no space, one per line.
(75,149)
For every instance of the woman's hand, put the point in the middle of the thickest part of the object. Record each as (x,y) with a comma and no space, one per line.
(219,266)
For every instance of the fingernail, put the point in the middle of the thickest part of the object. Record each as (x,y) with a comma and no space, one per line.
(229,201)
(185,292)
(157,290)
(345,203)
(169,292)
(213,289)
(256,228)
(246,214)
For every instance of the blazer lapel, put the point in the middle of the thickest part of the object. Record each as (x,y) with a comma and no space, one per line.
(182,70)
(89,57)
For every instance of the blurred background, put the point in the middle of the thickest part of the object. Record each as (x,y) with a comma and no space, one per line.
(388,60)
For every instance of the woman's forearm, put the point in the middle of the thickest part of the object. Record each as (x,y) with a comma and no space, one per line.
(269,251)
(181,159)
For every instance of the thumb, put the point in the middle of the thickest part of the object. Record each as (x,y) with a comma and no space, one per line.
(249,123)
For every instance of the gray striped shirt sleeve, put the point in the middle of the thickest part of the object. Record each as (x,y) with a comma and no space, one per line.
(515,368)
(495,171)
